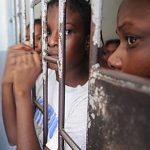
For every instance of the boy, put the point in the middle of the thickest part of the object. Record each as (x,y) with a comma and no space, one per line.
(25,66)
(10,118)
(38,34)
(133,54)
(104,52)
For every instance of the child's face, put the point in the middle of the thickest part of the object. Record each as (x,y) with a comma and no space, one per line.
(75,38)
(38,33)
(106,52)
(133,27)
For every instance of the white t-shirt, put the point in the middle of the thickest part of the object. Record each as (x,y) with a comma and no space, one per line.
(76,100)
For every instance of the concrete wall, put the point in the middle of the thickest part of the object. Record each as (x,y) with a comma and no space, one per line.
(109,18)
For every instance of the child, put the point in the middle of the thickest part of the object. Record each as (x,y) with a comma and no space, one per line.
(133,54)
(107,50)
(26,66)
(9,103)
(38,33)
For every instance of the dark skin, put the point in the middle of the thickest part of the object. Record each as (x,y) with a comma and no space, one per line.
(133,54)
(25,66)
(38,33)
(107,51)
(75,43)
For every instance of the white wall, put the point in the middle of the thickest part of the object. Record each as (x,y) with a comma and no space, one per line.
(6,39)
(109,18)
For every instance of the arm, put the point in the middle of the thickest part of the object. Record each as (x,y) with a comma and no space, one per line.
(26,135)
(27,68)
(9,112)
(8,101)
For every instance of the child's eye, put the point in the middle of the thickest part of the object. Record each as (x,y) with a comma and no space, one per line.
(48,33)
(68,31)
(131,40)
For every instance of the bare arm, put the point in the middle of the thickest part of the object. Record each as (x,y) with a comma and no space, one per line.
(26,135)
(27,69)
(9,112)
(8,102)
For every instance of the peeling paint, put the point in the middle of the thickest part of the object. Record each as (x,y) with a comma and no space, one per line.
(97,9)
(62,4)
(119,111)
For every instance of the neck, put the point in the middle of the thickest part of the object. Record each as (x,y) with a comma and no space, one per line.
(74,77)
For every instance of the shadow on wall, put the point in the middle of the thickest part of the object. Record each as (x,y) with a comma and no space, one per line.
(3,139)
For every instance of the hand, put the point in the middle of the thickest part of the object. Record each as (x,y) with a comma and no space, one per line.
(13,51)
(27,69)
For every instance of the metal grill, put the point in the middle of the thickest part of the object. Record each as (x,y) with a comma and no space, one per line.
(101,75)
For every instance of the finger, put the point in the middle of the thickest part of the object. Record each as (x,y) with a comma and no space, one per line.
(16,53)
(27,43)
(30,58)
(36,58)
(20,47)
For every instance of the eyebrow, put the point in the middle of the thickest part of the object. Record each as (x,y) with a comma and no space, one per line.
(68,23)
(123,25)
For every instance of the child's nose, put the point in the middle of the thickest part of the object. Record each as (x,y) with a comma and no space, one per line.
(114,61)
(53,40)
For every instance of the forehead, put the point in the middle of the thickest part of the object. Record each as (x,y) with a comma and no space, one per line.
(71,14)
(134,12)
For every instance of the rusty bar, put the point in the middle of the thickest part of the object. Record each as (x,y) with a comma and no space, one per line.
(62,63)
(38,106)
(69,140)
(96,25)
(50,59)
(35,2)
(18,21)
(23,20)
(45,71)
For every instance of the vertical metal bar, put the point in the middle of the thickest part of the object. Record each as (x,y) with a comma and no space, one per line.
(45,71)
(96,26)
(62,66)
(23,20)
(32,43)
(14,20)
(18,21)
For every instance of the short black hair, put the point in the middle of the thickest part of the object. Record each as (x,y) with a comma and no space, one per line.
(84,9)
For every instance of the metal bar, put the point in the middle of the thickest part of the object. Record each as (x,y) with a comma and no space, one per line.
(50,59)
(62,62)
(14,21)
(38,106)
(32,43)
(69,141)
(96,25)
(35,2)
(23,20)
(45,71)
(18,21)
